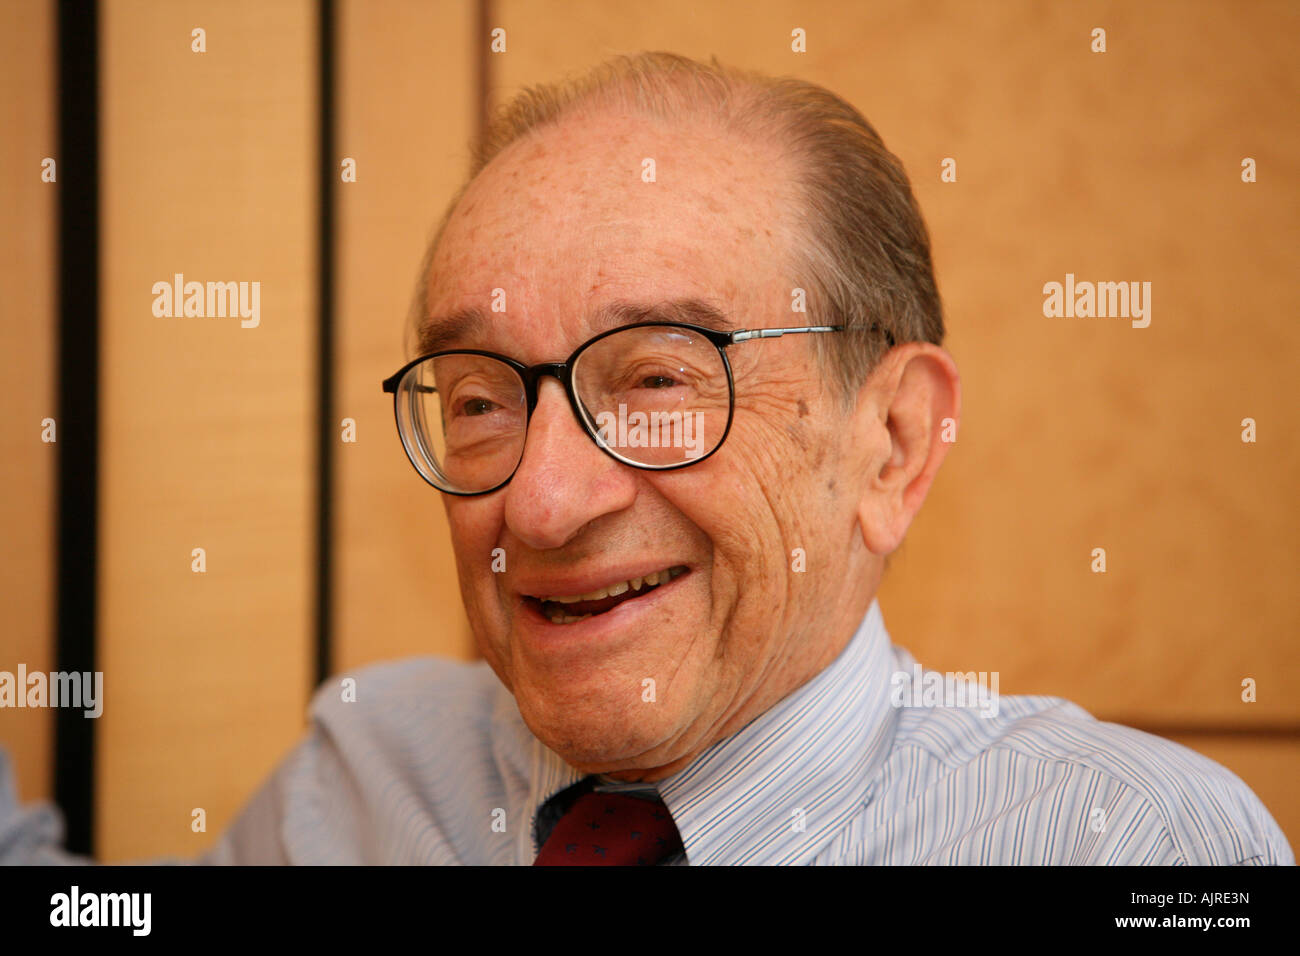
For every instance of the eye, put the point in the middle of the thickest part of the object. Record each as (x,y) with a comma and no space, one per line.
(657,381)
(477,406)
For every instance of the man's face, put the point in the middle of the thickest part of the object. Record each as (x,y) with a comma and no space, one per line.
(564,223)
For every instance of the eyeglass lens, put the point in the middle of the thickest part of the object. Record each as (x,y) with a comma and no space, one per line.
(653,396)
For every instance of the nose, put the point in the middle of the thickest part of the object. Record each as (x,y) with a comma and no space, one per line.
(564,482)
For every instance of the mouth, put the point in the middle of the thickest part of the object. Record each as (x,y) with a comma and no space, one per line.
(572,608)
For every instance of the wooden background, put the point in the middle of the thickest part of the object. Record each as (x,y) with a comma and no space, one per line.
(1077,433)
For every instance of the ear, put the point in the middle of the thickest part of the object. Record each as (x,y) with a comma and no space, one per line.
(902,422)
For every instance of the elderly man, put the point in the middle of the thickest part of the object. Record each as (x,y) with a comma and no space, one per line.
(679,380)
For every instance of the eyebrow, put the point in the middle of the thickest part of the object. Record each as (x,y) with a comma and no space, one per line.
(440,332)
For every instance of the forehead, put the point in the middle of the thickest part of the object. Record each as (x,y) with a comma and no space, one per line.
(605,208)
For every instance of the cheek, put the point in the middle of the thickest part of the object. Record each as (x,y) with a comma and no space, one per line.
(728,504)
(474,527)
(779,490)
(772,457)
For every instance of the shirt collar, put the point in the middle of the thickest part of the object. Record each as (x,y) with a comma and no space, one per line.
(778,790)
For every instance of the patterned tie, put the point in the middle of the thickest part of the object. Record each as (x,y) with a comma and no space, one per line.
(611,829)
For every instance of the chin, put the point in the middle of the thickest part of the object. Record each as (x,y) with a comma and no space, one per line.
(607,742)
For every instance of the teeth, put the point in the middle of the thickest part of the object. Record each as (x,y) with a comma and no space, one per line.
(636,584)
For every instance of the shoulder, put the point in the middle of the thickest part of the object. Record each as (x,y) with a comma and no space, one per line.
(414,698)
(392,753)
(1101,791)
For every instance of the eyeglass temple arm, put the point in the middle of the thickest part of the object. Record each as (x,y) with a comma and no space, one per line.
(744,335)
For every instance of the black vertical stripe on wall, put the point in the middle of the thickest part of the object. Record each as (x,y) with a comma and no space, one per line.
(78,408)
(328,435)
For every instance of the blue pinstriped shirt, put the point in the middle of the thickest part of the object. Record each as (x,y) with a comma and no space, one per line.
(432,764)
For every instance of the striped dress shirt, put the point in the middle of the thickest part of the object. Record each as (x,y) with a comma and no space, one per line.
(432,764)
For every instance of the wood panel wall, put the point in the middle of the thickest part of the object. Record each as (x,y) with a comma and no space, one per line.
(207,434)
(407,110)
(1077,433)
(28,327)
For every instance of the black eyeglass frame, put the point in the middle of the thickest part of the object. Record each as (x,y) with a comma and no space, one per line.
(531,375)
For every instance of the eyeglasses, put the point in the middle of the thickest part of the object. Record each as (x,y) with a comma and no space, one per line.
(656,396)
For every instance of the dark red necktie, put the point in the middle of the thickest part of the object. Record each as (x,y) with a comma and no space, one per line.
(611,829)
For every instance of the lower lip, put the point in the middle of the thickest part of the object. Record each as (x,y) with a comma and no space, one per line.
(620,620)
